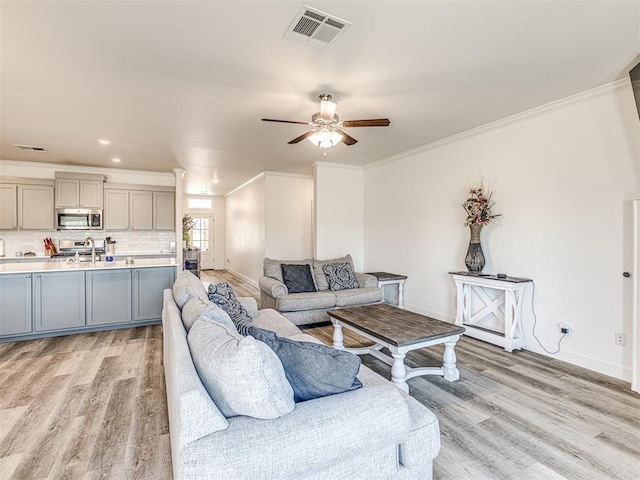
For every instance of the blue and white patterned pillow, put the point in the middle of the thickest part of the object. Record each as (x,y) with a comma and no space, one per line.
(340,276)
(222,294)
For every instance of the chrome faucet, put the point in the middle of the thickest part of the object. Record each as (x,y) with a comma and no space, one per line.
(93,249)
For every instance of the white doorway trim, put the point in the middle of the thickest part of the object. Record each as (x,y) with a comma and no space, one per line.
(635,362)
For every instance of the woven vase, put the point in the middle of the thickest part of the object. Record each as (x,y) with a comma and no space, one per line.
(475,257)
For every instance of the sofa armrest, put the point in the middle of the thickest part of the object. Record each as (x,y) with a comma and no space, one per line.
(365,280)
(250,304)
(272,287)
(316,434)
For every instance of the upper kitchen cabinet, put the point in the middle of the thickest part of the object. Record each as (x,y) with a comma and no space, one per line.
(141,210)
(75,192)
(26,206)
(164,211)
(138,209)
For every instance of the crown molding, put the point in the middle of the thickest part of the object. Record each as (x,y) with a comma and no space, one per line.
(80,169)
(337,165)
(246,184)
(270,173)
(589,95)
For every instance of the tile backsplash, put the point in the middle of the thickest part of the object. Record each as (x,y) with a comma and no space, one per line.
(155,241)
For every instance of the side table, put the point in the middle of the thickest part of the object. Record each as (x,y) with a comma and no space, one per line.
(478,301)
(385,278)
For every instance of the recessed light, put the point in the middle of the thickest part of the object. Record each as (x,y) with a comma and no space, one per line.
(115,160)
(215,180)
(103,142)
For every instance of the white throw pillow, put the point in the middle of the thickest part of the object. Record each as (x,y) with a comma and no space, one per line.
(242,375)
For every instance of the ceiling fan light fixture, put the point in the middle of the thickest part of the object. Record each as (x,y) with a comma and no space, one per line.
(325,138)
(328,109)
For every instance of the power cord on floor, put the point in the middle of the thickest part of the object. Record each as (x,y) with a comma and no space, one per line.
(535,321)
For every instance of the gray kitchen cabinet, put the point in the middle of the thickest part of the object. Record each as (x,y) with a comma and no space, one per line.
(128,209)
(116,209)
(108,296)
(8,207)
(15,304)
(35,207)
(67,192)
(141,210)
(26,207)
(148,284)
(164,211)
(72,192)
(58,300)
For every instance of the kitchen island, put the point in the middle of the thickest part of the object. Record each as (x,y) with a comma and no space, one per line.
(43,299)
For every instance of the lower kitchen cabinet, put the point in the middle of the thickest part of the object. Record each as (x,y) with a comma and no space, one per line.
(42,304)
(58,300)
(15,304)
(108,297)
(148,284)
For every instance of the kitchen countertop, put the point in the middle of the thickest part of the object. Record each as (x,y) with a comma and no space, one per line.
(38,267)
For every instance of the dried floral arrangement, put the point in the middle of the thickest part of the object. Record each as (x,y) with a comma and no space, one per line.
(479,206)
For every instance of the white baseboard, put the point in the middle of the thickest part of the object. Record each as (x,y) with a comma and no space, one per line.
(243,277)
(584,361)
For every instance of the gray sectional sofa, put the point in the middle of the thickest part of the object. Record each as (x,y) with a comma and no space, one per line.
(311,307)
(374,432)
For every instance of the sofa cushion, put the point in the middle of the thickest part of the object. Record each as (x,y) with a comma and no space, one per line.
(298,278)
(358,296)
(192,310)
(242,375)
(295,302)
(318,273)
(187,285)
(313,370)
(270,319)
(272,268)
(222,294)
(339,276)
(195,308)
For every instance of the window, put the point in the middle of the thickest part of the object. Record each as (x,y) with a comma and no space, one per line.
(200,233)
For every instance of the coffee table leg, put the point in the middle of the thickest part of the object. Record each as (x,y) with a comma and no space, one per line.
(338,339)
(449,370)
(398,371)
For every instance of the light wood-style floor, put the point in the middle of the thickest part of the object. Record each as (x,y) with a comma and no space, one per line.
(93,406)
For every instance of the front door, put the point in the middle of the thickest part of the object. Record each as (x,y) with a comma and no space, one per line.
(202,237)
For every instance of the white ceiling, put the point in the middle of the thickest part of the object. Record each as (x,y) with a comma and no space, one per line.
(185,83)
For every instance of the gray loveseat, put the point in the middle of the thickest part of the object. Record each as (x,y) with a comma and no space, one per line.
(311,307)
(375,432)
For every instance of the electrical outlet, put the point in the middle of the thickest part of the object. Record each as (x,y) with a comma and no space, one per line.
(621,339)
(565,328)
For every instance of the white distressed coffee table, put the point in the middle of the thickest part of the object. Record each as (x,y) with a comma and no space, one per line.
(400,331)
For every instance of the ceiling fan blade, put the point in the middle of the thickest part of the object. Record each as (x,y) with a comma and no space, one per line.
(376,122)
(301,137)
(347,139)
(283,121)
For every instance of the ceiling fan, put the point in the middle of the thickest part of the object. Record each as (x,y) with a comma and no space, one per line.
(327,127)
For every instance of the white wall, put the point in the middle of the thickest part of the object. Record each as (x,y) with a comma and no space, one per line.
(289,214)
(566,175)
(245,229)
(269,216)
(339,197)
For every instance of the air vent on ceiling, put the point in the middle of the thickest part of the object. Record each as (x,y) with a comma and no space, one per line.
(315,28)
(30,148)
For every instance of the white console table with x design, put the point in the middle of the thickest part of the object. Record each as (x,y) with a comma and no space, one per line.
(470,287)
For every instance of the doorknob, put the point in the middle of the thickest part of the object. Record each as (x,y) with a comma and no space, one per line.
(626,274)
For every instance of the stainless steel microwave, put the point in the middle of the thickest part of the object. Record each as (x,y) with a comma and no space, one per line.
(78,219)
